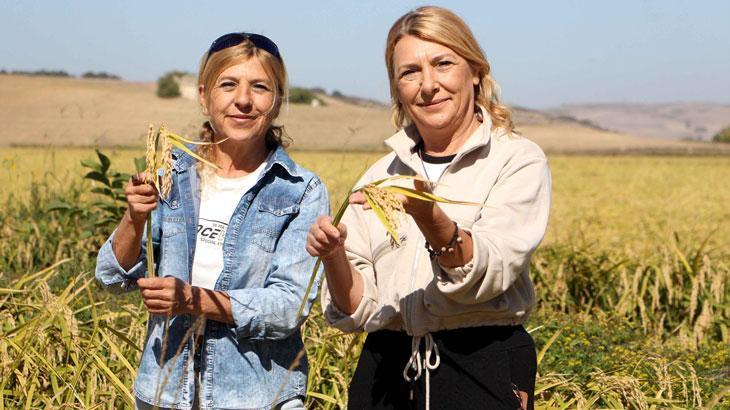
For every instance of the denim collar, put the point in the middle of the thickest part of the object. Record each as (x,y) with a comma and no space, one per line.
(183,161)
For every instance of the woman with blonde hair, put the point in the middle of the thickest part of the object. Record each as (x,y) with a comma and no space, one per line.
(231,266)
(443,311)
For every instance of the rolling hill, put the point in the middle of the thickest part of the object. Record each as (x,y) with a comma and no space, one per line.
(48,111)
(688,120)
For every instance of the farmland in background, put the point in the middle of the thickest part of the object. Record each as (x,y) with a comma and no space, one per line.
(62,112)
(631,279)
(632,283)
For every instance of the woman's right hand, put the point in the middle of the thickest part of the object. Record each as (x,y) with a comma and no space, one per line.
(141,198)
(324,239)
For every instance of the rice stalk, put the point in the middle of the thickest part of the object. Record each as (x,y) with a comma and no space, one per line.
(387,207)
(383,202)
(159,173)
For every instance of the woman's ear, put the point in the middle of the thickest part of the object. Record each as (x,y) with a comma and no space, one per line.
(202,100)
(475,77)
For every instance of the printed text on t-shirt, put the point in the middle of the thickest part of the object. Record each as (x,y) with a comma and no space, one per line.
(212,232)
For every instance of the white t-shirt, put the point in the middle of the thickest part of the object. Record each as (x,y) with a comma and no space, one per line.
(218,199)
(433,166)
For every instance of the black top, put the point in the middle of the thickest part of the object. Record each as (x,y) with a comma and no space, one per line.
(437,160)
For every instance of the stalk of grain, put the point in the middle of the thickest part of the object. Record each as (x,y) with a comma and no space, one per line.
(389,210)
(158,170)
(151,156)
(159,173)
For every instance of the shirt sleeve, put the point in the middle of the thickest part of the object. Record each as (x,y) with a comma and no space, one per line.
(511,225)
(271,312)
(110,274)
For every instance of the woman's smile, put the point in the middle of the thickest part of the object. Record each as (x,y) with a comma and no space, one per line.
(433,105)
(242,119)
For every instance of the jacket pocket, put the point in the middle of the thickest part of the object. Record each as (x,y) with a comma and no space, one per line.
(172,200)
(269,223)
(172,225)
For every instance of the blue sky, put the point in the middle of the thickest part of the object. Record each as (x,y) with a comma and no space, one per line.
(542,53)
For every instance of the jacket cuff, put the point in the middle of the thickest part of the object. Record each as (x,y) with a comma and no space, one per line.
(111,275)
(354,322)
(459,276)
(246,318)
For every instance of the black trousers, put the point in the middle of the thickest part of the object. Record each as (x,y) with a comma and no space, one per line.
(480,368)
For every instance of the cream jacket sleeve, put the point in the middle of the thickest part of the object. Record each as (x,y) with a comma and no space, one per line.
(509,229)
(360,255)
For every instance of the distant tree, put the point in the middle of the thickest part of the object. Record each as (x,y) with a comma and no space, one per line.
(722,136)
(100,74)
(337,94)
(42,72)
(298,95)
(167,86)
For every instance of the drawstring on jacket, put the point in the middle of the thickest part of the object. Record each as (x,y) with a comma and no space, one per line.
(418,366)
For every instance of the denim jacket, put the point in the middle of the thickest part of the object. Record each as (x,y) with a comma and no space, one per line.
(266,271)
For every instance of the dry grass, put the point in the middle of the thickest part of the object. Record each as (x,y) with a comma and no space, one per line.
(635,204)
(46,111)
(621,203)
(574,138)
(80,346)
(74,112)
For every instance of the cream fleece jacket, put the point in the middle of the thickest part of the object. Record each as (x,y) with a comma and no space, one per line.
(404,289)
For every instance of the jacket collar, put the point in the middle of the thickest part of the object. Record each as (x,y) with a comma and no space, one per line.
(404,142)
(183,161)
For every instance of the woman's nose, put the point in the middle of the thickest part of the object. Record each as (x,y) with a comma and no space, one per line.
(243,98)
(429,82)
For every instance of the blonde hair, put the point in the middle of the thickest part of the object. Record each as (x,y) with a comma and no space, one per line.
(212,67)
(442,26)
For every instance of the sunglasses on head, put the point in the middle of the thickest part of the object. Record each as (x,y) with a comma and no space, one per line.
(234,39)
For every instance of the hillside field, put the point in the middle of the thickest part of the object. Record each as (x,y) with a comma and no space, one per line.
(62,112)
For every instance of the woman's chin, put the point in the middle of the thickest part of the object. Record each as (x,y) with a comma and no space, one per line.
(242,136)
(433,124)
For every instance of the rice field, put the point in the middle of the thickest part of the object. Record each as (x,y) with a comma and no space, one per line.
(632,282)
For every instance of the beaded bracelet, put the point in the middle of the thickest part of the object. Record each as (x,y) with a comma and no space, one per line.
(449,247)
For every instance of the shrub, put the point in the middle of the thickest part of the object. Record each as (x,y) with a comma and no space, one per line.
(298,95)
(167,86)
(722,136)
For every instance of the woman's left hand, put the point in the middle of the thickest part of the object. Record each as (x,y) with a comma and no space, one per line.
(167,295)
(415,207)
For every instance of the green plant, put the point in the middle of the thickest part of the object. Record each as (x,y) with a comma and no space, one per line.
(109,204)
(167,86)
(722,136)
(298,95)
